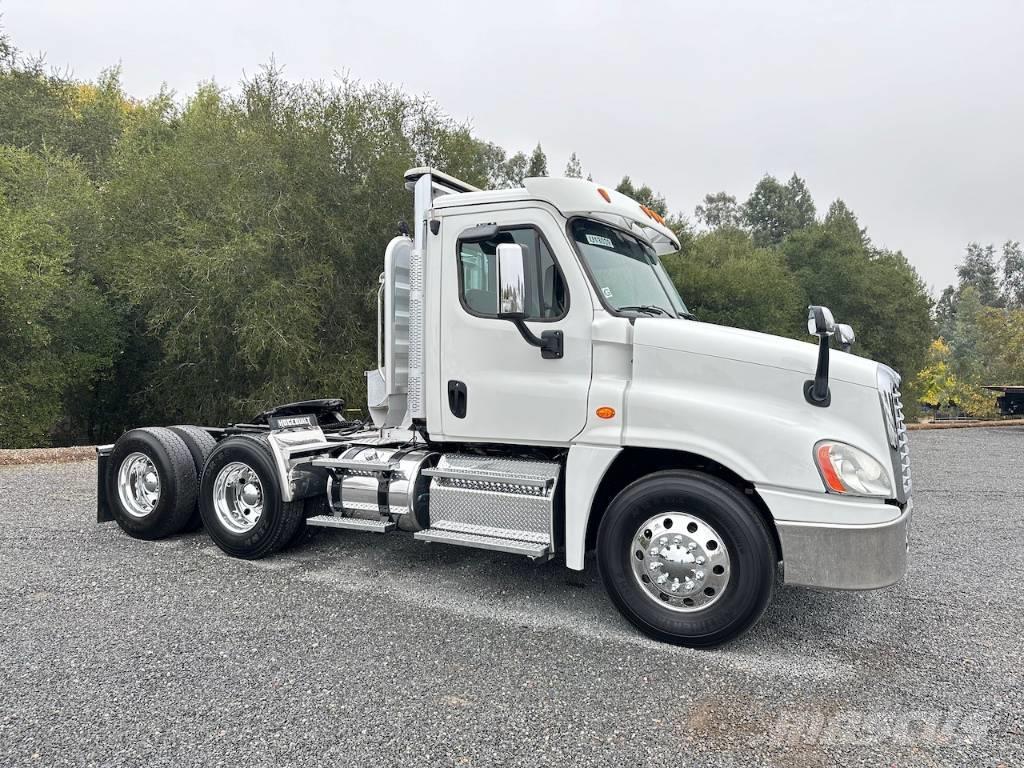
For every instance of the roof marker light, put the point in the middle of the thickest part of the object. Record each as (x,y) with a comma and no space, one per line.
(604,193)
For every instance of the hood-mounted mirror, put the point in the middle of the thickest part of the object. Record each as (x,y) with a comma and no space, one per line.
(820,323)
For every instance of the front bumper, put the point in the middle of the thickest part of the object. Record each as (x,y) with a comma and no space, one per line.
(854,544)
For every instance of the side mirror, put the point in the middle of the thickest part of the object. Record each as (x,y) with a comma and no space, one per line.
(820,321)
(846,336)
(511,274)
(511,281)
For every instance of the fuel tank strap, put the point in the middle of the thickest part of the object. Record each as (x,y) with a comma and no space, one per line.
(384,480)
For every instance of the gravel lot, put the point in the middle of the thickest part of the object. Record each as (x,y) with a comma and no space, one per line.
(355,649)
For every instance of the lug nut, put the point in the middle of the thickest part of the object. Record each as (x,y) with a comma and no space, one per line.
(692,545)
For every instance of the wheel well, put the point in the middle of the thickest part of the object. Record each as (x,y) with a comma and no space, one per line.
(633,463)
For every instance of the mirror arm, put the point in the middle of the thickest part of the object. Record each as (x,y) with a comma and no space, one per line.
(816,392)
(550,342)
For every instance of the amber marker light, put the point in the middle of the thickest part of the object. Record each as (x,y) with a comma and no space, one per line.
(828,472)
(605,412)
(604,193)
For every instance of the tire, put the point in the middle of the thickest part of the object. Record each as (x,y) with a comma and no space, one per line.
(683,525)
(200,444)
(141,511)
(228,517)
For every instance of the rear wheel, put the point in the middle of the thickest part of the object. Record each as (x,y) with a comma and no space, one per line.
(240,499)
(151,483)
(200,444)
(686,558)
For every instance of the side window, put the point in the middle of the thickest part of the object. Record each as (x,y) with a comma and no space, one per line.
(546,297)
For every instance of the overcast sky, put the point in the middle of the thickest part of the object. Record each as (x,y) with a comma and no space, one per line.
(912,112)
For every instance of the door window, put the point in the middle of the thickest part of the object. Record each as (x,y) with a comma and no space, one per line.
(546,296)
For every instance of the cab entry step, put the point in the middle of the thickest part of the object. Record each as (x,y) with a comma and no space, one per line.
(502,503)
(531,549)
(352,523)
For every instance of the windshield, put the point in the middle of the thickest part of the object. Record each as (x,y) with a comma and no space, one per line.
(626,271)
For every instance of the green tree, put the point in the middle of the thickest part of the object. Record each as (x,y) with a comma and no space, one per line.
(841,219)
(573,168)
(57,335)
(43,110)
(512,171)
(718,210)
(538,163)
(725,279)
(979,270)
(775,210)
(940,388)
(643,195)
(1013,274)
(262,219)
(876,291)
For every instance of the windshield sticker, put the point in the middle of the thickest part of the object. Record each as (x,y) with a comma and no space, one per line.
(606,291)
(600,240)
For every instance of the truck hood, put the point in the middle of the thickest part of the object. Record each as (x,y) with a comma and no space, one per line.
(751,347)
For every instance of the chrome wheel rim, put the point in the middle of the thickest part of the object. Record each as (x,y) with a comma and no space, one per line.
(138,485)
(680,562)
(238,497)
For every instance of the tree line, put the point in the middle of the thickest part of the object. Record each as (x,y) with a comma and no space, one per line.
(169,260)
(980,332)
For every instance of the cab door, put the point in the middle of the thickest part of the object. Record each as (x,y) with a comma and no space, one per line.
(496,387)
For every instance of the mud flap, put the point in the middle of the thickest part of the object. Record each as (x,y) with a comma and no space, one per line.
(103,513)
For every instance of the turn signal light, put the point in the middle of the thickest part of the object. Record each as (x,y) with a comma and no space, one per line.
(849,470)
(828,472)
(605,412)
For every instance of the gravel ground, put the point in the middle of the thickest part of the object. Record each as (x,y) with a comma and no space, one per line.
(355,649)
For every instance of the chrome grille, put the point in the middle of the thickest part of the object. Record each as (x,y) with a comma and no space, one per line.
(902,443)
(896,430)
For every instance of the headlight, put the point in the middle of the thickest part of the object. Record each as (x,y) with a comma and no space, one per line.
(849,470)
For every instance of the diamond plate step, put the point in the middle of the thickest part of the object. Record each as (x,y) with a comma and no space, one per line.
(351,523)
(531,549)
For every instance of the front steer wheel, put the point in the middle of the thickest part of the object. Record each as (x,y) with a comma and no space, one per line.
(151,483)
(240,499)
(686,558)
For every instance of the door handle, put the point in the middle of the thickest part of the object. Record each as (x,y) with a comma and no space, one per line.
(457,398)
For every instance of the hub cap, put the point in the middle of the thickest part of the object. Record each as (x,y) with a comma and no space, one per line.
(680,561)
(138,485)
(238,497)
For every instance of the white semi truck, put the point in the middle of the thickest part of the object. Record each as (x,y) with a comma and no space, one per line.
(541,390)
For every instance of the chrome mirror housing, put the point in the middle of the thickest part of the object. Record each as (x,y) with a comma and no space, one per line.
(820,321)
(511,281)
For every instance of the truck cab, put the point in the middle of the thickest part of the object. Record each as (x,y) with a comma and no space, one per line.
(541,389)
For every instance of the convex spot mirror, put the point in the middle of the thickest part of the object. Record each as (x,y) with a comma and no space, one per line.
(845,335)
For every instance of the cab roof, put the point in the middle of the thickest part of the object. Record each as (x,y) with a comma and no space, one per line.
(572,197)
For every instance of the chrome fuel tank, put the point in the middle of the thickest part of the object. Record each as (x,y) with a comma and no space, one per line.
(377,482)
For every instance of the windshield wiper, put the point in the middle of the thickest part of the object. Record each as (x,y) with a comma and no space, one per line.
(647,309)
